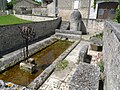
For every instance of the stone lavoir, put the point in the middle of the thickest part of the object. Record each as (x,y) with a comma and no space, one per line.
(43,59)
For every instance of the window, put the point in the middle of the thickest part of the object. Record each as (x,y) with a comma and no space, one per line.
(112,11)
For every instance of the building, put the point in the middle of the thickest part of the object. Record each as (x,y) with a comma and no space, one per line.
(25,6)
(3,5)
(64,8)
(106,10)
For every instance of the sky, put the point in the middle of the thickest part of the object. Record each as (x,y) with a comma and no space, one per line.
(10,0)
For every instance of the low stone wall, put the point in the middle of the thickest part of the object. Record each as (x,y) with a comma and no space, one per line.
(35,18)
(13,58)
(11,39)
(93,25)
(111,55)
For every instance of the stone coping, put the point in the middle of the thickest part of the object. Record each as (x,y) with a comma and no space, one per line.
(114,26)
(68,32)
(35,18)
(47,72)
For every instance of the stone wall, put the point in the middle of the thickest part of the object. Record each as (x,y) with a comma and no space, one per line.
(111,56)
(11,39)
(93,25)
(39,11)
(51,9)
(26,6)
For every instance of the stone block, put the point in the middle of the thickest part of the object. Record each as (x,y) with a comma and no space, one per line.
(27,66)
(86,77)
(83,53)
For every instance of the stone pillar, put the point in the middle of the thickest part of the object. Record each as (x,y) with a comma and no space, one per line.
(75,21)
(75,18)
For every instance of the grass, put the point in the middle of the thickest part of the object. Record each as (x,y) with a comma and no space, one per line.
(62,65)
(11,19)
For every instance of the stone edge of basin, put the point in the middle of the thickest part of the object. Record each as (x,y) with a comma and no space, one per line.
(67,34)
(37,82)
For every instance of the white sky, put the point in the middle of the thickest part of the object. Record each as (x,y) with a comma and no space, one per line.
(10,0)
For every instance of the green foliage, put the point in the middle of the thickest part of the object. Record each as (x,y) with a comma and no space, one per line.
(10,4)
(95,3)
(98,36)
(62,65)
(11,19)
(118,15)
(101,65)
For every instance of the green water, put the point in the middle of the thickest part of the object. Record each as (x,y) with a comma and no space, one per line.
(43,59)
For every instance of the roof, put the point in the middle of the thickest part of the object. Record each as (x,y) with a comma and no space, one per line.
(30,1)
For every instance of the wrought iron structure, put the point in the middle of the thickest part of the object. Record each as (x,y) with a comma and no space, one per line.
(27,34)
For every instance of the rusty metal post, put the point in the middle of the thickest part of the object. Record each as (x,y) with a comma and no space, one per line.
(27,34)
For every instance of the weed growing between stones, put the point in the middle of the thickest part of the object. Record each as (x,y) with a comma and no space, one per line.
(101,65)
(101,81)
(98,36)
(62,65)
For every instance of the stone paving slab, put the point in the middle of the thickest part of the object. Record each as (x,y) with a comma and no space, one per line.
(73,56)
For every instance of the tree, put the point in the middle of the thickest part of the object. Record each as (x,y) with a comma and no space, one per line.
(10,4)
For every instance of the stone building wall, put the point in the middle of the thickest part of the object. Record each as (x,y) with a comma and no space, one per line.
(24,4)
(95,25)
(111,56)
(11,39)
(51,9)
(65,8)
(39,11)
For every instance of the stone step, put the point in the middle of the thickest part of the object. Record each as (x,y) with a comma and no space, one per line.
(65,25)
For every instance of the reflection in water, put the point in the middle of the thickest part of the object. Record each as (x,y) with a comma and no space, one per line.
(43,59)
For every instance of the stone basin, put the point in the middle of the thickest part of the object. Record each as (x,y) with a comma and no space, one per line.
(42,58)
(96,44)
